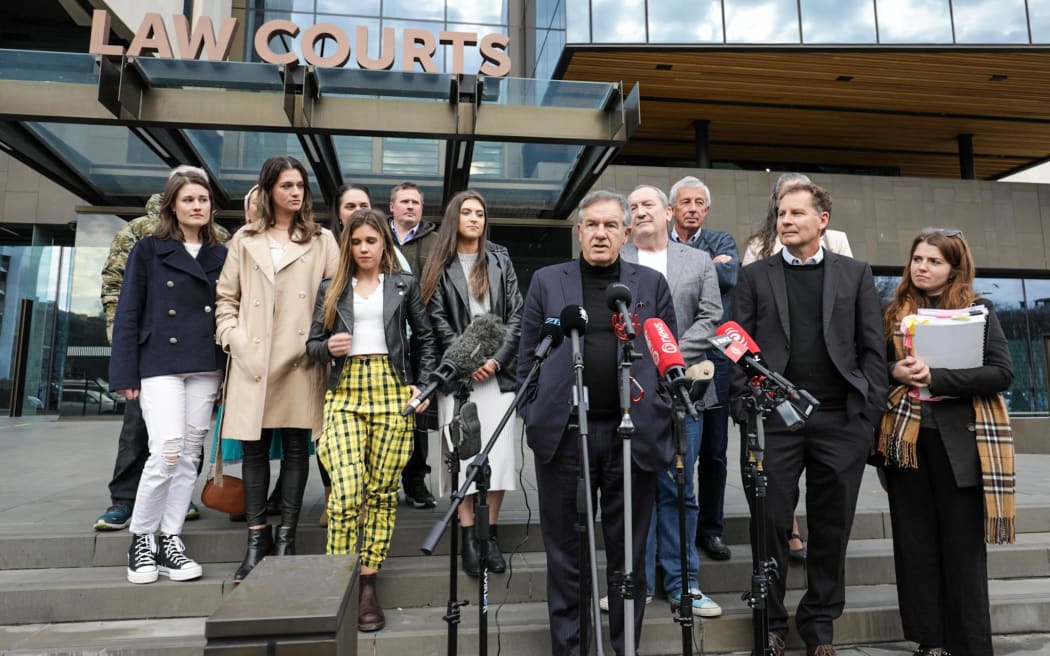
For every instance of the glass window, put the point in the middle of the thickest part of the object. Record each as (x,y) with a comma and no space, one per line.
(990,21)
(1039,18)
(1007,296)
(619,21)
(914,21)
(360,7)
(290,5)
(414,9)
(411,157)
(348,24)
(354,153)
(685,21)
(399,35)
(838,21)
(761,21)
(1037,298)
(578,21)
(493,12)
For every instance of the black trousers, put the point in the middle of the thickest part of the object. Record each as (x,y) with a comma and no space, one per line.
(939,553)
(132,451)
(832,448)
(557,482)
(295,468)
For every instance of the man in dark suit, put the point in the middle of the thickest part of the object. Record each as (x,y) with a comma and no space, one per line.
(554,439)
(690,202)
(817,319)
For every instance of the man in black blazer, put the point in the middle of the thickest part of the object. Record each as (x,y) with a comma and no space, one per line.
(816,317)
(553,436)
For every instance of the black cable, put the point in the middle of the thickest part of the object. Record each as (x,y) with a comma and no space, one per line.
(521,543)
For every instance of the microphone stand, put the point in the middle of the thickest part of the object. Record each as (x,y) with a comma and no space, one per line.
(452,612)
(477,472)
(626,431)
(685,606)
(763,567)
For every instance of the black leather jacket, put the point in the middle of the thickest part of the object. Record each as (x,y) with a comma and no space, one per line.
(449,309)
(402,304)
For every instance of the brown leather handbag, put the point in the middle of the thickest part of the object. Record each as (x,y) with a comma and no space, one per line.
(223,493)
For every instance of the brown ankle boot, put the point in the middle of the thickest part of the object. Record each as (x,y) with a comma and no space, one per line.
(324,509)
(369,613)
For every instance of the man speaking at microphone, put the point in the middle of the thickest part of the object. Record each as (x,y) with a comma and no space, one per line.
(693,280)
(815,315)
(602,220)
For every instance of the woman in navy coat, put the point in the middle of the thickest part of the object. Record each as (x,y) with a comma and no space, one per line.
(164,354)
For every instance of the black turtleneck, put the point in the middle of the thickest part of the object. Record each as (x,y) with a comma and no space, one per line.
(600,346)
(809,364)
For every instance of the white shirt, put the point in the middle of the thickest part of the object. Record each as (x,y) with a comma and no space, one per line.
(815,259)
(192,249)
(369,336)
(654,259)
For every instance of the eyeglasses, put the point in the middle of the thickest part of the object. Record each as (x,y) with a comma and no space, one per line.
(947,232)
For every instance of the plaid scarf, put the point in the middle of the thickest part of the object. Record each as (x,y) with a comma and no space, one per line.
(899,433)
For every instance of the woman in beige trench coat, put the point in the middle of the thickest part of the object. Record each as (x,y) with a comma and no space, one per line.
(263,310)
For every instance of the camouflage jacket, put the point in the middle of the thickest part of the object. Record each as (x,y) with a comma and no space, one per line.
(127,237)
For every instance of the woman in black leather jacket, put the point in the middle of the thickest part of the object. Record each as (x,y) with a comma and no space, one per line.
(359,326)
(465,278)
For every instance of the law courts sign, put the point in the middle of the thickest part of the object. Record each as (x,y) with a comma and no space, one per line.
(417,45)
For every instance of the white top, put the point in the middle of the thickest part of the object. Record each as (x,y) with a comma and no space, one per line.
(654,259)
(192,249)
(276,250)
(466,262)
(369,336)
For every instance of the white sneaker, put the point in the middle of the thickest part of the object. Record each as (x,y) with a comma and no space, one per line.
(603,603)
(142,559)
(703,606)
(173,562)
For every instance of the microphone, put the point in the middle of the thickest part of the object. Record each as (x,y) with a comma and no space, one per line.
(551,337)
(668,360)
(573,321)
(797,404)
(701,374)
(473,348)
(617,298)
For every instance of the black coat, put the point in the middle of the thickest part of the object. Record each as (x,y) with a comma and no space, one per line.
(955,416)
(449,310)
(165,321)
(413,358)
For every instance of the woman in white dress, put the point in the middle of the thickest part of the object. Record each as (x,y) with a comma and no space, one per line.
(465,277)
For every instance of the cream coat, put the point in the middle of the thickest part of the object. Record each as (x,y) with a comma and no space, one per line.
(262,320)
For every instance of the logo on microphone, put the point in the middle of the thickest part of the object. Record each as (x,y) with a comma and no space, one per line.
(734,332)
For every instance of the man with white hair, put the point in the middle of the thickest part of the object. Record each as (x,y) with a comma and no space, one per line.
(690,202)
(133,447)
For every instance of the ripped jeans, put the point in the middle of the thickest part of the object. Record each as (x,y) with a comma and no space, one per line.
(177,410)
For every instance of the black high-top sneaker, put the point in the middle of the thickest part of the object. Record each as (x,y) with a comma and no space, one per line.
(173,562)
(142,559)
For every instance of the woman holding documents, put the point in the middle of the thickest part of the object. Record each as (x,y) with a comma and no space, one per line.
(946,445)
(360,323)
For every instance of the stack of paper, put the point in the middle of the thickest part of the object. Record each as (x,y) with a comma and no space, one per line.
(947,339)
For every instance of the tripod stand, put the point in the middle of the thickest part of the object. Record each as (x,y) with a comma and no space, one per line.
(763,568)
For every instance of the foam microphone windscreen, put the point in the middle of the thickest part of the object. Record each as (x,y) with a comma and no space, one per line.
(573,317)
(478,343)
(662,346)
(616,293)
(701,371)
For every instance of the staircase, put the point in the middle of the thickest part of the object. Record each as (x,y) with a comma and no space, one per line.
(63,590)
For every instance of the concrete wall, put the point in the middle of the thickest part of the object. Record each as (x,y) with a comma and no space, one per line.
(28,197)
(1006,224)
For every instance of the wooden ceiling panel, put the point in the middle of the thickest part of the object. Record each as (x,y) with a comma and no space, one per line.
(783,105)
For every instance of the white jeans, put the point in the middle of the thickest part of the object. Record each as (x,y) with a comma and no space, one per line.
(177,411)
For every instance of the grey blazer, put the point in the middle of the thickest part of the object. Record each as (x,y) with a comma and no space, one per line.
(693,280)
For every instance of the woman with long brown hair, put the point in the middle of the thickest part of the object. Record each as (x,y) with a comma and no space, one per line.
(263,309)
(360,323)
(947,451)
(465,278)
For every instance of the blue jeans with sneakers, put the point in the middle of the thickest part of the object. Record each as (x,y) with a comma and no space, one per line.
(663,540)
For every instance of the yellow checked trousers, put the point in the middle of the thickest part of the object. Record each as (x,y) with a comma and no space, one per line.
(364,446)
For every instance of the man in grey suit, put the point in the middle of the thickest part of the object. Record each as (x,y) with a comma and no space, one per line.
(690,273)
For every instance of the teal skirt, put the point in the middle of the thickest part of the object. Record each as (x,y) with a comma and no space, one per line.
(233,452)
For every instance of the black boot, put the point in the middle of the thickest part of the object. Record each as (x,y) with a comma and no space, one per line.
(285,541)
(273,503)
(295,469)
(469,552)
(260,544)
(496,562)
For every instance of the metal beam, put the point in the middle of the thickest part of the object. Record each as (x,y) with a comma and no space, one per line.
(34,153)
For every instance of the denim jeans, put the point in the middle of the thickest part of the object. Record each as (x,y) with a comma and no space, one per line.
(711,466)
(664,537)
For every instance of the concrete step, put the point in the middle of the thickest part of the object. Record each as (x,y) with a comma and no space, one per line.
(1017,607)
(214,539)
(102,593)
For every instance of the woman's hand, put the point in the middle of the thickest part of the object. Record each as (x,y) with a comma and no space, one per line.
(339,344)
(129,394)
(912,372)
(422,406)
(485,371)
